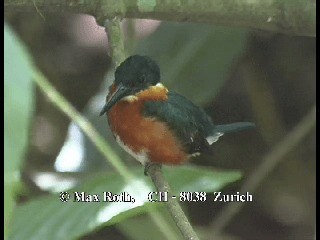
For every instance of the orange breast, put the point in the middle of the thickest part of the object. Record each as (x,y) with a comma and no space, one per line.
(146,134)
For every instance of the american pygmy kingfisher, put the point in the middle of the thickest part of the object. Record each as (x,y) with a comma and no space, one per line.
(156,125)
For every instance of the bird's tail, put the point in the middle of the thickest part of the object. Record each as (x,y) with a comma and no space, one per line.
(220,130)
(233,127)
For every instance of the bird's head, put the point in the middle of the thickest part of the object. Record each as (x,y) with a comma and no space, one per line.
(135,74)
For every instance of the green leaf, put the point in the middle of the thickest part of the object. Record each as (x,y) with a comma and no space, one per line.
(49,218)
(194,58)
(140,227)
(18,106)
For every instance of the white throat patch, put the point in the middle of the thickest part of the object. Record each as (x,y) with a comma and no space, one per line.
(160,85)
(130,98)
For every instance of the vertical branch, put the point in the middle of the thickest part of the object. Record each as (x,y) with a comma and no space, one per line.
(155,172)
(115,39)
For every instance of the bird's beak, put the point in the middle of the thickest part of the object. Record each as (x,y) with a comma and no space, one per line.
(120,92)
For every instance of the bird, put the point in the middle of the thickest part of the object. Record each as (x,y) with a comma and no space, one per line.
(155,125)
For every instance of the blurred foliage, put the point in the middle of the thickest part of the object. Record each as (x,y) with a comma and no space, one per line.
(194,58)
(135,228)
(71,51)
(212,66)
(18,102)
(58,220)
(95,215)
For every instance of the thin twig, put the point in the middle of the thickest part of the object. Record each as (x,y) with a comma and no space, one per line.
(267,164)
(37,9)
(182,222)
(58,100)
(115,39)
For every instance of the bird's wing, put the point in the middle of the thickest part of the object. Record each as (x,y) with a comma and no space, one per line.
(190,123)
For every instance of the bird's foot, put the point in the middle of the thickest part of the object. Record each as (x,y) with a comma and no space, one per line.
(148,165)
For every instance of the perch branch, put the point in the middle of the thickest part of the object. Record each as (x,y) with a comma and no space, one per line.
(155,172)
(284,16)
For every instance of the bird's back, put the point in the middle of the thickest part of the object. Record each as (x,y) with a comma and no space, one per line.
(189,122)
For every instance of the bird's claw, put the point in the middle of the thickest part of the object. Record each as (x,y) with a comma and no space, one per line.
(147,167)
